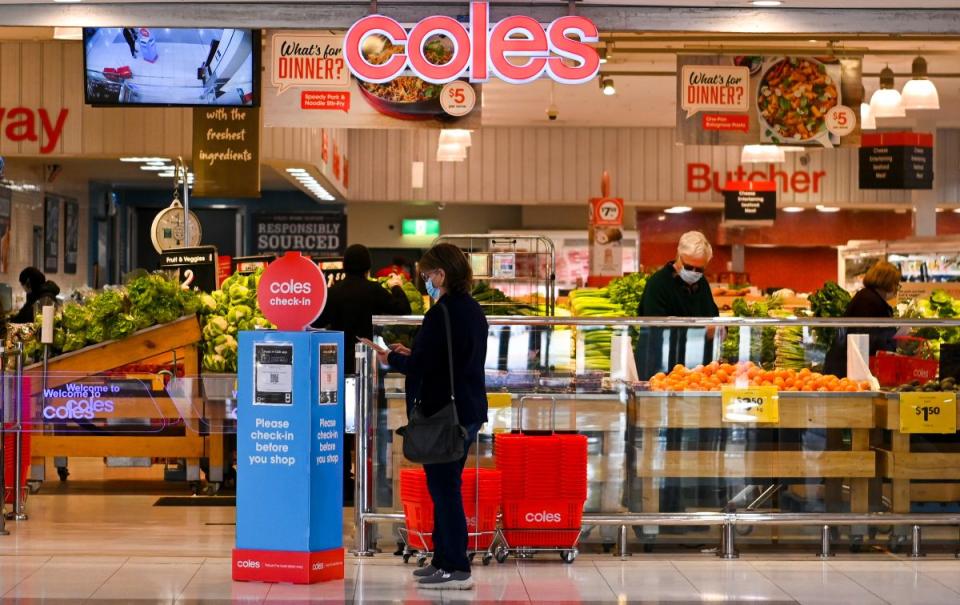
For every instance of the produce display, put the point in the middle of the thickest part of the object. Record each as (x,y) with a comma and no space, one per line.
(595,302)
(947,385)
(414,297)
(627,291)
(939,305)
(763,342)
(223,314)
(715,376)
(829,301)
(110,314)
(495,302)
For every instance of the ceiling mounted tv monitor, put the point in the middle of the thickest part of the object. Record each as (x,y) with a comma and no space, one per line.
(166,66)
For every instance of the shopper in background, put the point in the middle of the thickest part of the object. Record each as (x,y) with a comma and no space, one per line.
(351,304)
(39,290)
(447,275)
(398,267)
(679,289)
(880,285)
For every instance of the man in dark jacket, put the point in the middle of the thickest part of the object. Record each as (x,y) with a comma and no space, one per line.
(39,289)
(351,305)
(352,302)
(678,289)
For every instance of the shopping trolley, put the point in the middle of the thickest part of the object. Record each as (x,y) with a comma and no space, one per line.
(481,503)
(544,490)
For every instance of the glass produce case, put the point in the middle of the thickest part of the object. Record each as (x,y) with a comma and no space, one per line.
(730,434)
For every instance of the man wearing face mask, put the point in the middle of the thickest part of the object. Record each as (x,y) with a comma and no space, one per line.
(678,289)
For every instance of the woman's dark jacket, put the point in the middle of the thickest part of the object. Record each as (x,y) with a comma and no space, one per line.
(865,303)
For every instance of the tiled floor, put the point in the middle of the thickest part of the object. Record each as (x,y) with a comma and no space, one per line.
(82,546)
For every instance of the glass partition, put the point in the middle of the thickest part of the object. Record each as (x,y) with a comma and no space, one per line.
(730,416)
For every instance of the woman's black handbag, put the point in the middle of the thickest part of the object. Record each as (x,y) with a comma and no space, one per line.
(439,438)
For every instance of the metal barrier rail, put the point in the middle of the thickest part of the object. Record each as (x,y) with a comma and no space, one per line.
(686,322)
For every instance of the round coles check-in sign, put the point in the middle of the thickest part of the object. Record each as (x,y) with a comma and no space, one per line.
(458,98)
(292,292)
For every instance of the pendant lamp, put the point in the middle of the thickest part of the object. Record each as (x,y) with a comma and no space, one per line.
(919,92)
(886,102)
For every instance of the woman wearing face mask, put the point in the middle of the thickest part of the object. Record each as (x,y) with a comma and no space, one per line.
(38,289)
(447,275)
(880,285)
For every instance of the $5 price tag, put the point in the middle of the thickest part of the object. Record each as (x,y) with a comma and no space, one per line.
(751,405)
(928,413)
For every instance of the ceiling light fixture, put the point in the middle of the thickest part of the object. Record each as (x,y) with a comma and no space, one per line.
(451,152)
(606,85)
(678,209)
(606,53)
(828,209)
(456,136)
(956,210)
(867,120)
(794,209)
(144,160)
(766,3)
(919,92)
(886,102)
(758,154)
(68,33)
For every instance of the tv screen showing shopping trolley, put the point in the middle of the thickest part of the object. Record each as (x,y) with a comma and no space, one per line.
(167,66)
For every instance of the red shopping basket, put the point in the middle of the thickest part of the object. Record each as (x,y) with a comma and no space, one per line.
(9,449)
(481,491)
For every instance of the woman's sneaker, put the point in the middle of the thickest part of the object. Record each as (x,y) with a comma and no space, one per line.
(425,572)
(445,580)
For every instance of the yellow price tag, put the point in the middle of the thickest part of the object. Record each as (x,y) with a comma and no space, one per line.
(499,400)
(753,405)
(928,413)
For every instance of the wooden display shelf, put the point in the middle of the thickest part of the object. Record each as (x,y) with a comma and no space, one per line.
(652,412)
(797,411)
(757,464)
(902,466)
(160,344)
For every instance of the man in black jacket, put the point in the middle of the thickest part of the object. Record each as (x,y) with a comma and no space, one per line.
(351,305)
(352,302)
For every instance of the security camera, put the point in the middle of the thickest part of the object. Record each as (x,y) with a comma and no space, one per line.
(552,113)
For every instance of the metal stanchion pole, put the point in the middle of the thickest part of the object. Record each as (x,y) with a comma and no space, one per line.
(3,442)
(825,542)
(915,552)
(18,512)
(366,393)
(728,547)
(624,548)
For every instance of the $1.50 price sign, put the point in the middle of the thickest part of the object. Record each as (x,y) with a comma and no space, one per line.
(751,405)
(928,413)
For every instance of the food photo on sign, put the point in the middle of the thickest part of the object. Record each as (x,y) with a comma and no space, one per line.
(783,100)
(310,84)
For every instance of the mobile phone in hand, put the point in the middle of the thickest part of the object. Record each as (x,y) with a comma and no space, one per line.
(372,345)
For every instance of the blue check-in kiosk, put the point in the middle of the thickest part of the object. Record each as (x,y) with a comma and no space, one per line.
(289,457)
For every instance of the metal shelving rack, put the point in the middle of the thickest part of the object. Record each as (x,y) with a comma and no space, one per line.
(521,266)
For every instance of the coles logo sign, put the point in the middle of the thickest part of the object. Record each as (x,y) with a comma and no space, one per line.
(292,292)
(480,48)
(542,517)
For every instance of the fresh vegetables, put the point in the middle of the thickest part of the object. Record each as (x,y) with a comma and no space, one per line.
(595,302)
(938,305)
(627,291)
(495,302)
(763,346)
(112,313)
(224,313)
(948,385)
(829,301)
(414,297)
(715,376)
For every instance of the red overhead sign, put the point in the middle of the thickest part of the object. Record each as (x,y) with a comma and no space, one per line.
(292,292)
(480,48)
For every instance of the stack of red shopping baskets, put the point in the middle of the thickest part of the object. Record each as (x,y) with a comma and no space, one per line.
(10,444)
(482,493)
(544,489)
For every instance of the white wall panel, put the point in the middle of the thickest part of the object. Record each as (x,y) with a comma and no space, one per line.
(542,165)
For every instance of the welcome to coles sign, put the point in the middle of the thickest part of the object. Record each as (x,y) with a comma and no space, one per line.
(481,49)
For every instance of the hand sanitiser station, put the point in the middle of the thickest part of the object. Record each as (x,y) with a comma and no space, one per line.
(290,435)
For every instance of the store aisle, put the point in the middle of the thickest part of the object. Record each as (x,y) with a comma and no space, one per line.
(592,579)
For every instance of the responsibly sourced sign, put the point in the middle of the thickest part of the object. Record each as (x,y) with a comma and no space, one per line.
(785,100)
(313,233)
(479,49)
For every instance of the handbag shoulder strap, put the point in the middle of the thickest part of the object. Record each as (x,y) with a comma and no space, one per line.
(453,397)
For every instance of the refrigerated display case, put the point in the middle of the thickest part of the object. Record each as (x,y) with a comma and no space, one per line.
(689,454)
(926,264)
